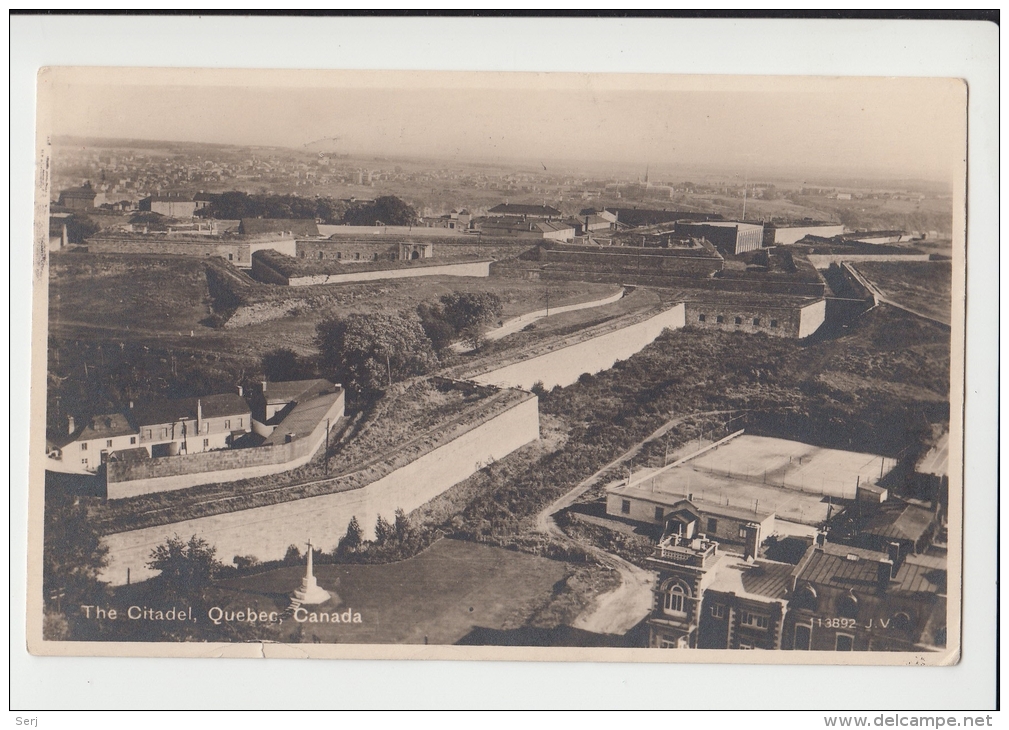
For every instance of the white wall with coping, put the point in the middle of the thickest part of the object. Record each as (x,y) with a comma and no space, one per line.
(824,260)
(564,366)
(474,268)
(266,532)
(811,317)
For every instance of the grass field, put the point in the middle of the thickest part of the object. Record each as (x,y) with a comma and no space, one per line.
(925,287)
(440,595)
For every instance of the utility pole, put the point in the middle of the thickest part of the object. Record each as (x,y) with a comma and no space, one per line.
(327,446)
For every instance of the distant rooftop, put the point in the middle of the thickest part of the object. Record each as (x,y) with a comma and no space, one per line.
(545,211)
(760,580)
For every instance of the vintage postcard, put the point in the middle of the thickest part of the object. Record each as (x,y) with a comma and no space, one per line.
(419,365)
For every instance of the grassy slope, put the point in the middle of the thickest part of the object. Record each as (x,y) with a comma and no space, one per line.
(923,286)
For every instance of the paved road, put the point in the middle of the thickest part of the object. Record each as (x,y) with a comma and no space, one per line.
(623,608)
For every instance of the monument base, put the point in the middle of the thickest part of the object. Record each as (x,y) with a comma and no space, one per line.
(311,593)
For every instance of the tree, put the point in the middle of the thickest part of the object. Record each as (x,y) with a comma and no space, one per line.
(353,538)
(368,352)
(285,364)
(402,526)
(80,227)
(187,567)
(387,210)
(432,319)
(293,555)
(73,557)
(471,313)
(383,530)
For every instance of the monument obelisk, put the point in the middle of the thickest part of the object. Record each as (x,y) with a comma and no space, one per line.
(310,592)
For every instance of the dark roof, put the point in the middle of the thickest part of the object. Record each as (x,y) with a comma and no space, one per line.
(205,196)
(312,399)
(85,191)
(768,579)
(519,209)
(291,390)
(138,453)
(151,413)
(297,226)
(915,578)
(839,566)
(106,426)
(899,520)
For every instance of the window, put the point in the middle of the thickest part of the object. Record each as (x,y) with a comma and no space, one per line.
(718,610)
(84,461)
(84,446)
(320,255)
(625,506)
(756,321)
(147,434)
(805,597)
(357,256)
(844,642)
(659,513)
(339,254)
(374,257)
(231,257)
(227,424)
(742,531)
(239,422)
(700,317)
(674,599)
(667,642)
(719,319)
(745,646)
(753,619)
(133,440)
(108,443)
(803,634)
(206,427)
(164,433)
(712,524)
(739,320)
(206,443)
(774,323)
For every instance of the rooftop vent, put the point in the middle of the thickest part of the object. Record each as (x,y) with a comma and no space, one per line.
(852,557)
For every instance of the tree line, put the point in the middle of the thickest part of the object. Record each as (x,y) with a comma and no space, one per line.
(387,210)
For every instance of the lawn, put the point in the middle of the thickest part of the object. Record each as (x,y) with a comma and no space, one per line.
(438,596)
(924,286)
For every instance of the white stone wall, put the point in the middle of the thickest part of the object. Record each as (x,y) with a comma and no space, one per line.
(475,268)
(811,317)
(564,366)
(266,532)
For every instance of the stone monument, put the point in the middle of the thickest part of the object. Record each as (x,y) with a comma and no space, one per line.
(310,592)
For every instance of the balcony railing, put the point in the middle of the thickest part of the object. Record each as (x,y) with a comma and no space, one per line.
(685,551)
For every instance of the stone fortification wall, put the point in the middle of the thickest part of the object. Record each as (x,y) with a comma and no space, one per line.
(823,260)
(353,250)
(622,260)
(752,286)
(238,252)
(265,532)
(265,270)
(565,365)
(130,479)
(745,316)
(811,317)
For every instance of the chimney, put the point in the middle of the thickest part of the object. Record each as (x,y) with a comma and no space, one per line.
(131,405)
(240,392)
(264,386)
(752,541)
(199,415)
(70,425)
(821,538)
(884,572)
(893,553)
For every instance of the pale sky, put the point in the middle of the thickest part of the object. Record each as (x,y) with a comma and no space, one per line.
(897,128)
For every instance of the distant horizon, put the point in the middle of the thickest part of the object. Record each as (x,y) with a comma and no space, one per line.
(843,177)
(748,126)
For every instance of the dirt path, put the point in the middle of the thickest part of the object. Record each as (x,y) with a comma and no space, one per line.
(618,611)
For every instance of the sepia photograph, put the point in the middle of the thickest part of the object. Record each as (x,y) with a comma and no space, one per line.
(480,365)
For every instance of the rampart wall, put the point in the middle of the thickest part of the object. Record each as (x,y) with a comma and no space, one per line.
(565,365)
(263,271)
(266,532)
(824,260)
(238,252)
(752,286)
(352,250)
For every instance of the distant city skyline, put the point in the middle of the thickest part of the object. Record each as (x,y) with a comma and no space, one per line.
(894,128)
